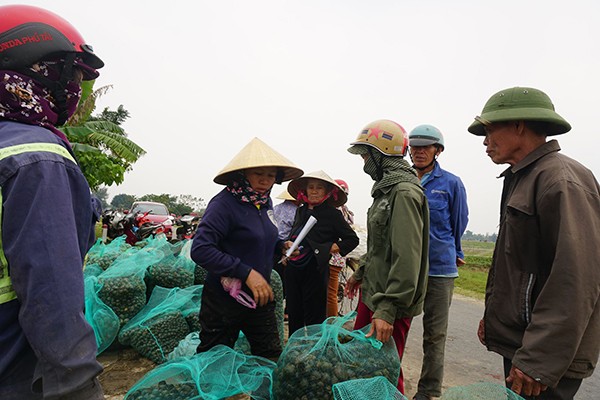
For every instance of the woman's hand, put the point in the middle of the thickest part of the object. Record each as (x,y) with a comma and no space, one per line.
(286,245)
(261,290)
(334,248)
(352,286)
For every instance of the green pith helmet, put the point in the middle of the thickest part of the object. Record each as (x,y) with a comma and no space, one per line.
(425,135)
(520,104)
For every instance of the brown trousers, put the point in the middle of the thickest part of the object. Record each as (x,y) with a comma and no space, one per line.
(332,291)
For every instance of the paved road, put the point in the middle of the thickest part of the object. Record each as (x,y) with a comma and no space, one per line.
(467,361)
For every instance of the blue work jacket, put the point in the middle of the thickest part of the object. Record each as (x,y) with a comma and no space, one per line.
(448,216)
(47,228)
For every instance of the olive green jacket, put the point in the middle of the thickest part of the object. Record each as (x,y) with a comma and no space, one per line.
(394,270)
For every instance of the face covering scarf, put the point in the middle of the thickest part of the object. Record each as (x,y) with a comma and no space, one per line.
(303,197)
(23,99)
(240,188)
(394,170)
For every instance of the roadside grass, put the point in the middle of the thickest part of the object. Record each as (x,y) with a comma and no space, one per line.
(473,275)
(98,230)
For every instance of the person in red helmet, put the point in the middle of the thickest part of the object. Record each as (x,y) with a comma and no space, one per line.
(337,262)
(47,349)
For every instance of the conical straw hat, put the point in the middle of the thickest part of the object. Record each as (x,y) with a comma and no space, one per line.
(285,195)
(300,184)
(258,154)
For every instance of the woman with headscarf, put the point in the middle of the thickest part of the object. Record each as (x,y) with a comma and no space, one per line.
(236,242)
(307,275)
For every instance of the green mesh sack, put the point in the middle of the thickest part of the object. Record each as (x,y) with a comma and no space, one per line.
(187,347)
(102,319)
(213,375)
(323,355)
(92,270)
(199,275)
(123,286)
(191,309)
(159,327)
(377,388)
(171,271)
(94,251)
(480,391)
(277,286)
(105,254)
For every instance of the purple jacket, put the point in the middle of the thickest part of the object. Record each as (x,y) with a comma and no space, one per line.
(233,238)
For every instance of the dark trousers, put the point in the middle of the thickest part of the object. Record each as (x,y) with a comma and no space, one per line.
(306,295)
(565,390)
(222,319)
(435,330)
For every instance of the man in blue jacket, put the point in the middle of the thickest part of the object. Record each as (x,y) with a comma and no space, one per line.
(47,349)
(448,215)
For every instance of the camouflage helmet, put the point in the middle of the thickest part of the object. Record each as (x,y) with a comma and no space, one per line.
(520,104)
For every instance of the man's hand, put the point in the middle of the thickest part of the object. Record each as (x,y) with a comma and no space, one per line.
(382,330)
(521,382)
(460,262)
(352,286)
(481,332)
(261,290)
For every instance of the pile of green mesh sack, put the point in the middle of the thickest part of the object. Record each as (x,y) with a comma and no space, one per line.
(322,355)
(123,287)
(216,374)
(105,254)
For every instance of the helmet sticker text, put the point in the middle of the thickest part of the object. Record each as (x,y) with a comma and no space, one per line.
(38,37)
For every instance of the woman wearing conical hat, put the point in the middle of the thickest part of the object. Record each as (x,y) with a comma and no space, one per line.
(236,242)
(307,275)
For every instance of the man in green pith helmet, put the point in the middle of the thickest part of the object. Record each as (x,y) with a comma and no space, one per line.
(542,312)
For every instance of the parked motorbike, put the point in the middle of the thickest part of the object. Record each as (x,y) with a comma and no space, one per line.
(137,227)
(185,226)
(113,221)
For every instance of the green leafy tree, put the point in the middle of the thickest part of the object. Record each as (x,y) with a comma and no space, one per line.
(101,146)
(123,201)
(179,205)
(102,195)
(195,203)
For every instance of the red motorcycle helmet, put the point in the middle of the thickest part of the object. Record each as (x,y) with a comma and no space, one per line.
(30,34)
(344,185)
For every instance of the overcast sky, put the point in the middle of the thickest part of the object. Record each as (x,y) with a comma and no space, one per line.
(202,78)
